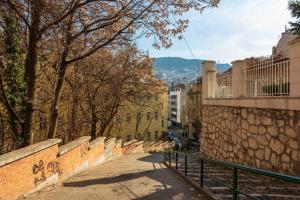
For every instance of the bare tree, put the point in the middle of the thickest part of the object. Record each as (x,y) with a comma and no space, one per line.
(80,28)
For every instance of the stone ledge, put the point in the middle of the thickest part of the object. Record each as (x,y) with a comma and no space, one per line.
(139,143)
(27,151)
(97,141)
(72,145)
(119,140)
(129,143)
(148,144)
(110,140)
(283,103)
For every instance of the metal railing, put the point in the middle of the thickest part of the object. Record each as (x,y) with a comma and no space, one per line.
(236,168)
(268,77)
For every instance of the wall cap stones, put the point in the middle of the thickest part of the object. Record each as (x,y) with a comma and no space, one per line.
(97,141)
(238,61)
(118,141)
(129,143)
(139,143)
(21,153)
(278,103)
(72,145)
(110,140)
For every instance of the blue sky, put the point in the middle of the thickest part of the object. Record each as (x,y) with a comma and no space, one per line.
(237,29)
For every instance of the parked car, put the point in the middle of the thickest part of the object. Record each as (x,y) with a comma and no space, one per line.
(171,135)
(178,144)
(192,144)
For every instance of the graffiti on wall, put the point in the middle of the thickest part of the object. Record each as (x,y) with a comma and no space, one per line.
(40,172)
(54,168)
(83,151)
(39,169)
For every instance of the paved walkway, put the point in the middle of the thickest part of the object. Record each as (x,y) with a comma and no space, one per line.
(137,177)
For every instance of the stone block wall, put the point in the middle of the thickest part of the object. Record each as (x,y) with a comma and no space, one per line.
(34,167)
(258,137)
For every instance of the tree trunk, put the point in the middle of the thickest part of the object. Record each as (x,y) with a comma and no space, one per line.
(74,112)
(54,112)
(94,126)
(61,78)
(30,72)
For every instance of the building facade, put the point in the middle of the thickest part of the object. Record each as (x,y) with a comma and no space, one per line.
(145,119)
(194,107)
(178,98)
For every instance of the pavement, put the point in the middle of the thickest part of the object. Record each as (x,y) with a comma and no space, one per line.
(139,176)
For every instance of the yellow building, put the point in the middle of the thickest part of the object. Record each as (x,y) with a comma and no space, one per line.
(194,107)
(144,119)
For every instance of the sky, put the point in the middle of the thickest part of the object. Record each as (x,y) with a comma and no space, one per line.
(237,29)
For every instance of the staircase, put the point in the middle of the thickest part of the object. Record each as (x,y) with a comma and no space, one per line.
(250,183)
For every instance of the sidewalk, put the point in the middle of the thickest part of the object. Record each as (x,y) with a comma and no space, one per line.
(130,177)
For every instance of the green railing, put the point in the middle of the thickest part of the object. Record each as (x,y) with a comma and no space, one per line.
(234,167)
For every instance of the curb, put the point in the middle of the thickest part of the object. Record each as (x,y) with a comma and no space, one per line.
(195,185)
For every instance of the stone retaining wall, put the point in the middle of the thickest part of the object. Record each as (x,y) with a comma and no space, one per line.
(262,138)
(32,168)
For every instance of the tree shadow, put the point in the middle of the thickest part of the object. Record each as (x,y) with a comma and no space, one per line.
(166,188)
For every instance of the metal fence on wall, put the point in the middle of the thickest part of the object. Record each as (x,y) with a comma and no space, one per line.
(268,77)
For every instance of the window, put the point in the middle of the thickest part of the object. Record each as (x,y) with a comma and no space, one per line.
(43,123)
(148,97)
(139,117)
(162,105)
(148,136)
(148,116)
(118,119)
(128,138)
(173,96)
(156,97)
(162,122)
(173,103)
(128,117)
(156,135)
(156,115)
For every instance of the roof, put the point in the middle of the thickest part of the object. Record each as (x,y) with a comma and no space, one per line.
(281,49)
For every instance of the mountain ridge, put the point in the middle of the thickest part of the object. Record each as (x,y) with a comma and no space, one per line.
(180,70)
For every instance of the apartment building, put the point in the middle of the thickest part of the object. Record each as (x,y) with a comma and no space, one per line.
(145,119)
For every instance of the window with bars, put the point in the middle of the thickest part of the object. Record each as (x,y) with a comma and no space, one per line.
(148,136)
(128,117)
(148,116)
(156,115)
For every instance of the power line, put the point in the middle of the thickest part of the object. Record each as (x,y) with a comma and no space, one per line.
(190,49)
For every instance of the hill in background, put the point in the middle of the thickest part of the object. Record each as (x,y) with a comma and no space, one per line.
(180,70)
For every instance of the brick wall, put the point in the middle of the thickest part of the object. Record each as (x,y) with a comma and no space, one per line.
(32,168)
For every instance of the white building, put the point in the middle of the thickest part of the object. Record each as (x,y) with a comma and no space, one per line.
(177,104)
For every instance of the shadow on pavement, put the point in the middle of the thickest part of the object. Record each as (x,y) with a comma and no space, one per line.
(167,188)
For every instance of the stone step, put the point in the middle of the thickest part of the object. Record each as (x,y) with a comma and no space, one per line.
(258,186)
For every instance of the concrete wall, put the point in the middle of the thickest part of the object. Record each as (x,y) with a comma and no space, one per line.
(32,168)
